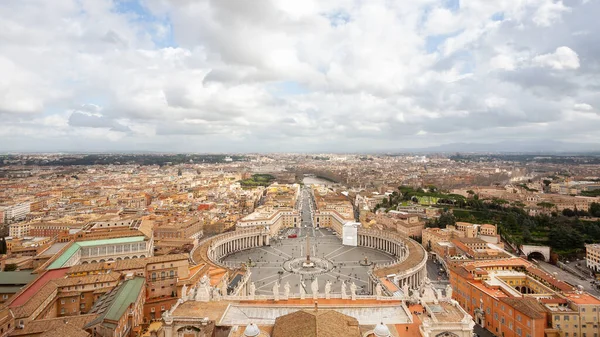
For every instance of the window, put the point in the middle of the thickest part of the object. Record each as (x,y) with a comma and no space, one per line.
(510,325)
(566,318)
(519,332)
(62,311)
(72,300)
(496,316)
(502,320)
(519,318)
(162,308)
(62,301)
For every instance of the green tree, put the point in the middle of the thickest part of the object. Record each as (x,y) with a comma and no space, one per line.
(565,237)
(446,219)
(527,238)
(595,209)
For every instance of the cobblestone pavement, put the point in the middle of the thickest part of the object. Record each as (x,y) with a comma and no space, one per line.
(267,262)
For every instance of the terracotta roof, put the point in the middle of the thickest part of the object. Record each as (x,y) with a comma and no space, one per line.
(316,323)
(416,254)
(527,306)
(61,326)
(128,264)
(35,286)
(561,285)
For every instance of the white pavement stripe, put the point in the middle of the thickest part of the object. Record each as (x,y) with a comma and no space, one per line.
(284,253)
(342,253)
(266,251)
(327,256)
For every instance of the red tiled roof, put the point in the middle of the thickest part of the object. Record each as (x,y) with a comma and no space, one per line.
(36,285)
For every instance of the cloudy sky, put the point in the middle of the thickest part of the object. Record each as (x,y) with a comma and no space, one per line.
(287,75)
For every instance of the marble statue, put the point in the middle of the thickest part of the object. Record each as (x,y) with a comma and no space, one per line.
(438,293)
(286,290)
(353,290)
(449,292)
(328,289)
(203,291)
(216,295)
(427,292)
(302,290)
(276,290)
(344,294)
(223,288)
(314,287)
(378,290)
(405,289)
(252,290)
(184,292)
(204,279)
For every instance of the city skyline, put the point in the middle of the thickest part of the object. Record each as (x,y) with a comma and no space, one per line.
(279,76)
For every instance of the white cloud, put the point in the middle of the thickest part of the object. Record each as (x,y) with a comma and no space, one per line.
(504,62)
(284,75)
(562,58)
(583,107)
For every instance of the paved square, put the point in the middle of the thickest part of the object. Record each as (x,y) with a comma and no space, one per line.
(267,262)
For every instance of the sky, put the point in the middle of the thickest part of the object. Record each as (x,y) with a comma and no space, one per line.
(296,76)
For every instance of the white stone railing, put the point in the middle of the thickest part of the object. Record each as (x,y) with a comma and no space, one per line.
(310,296)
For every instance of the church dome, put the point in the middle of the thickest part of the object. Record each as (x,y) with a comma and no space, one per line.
(251,330)
(381,330)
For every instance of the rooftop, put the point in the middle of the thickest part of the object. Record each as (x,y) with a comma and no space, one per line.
(114,304)
(64,257)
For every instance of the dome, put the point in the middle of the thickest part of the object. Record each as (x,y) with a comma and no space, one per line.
(251,330)
(381,330)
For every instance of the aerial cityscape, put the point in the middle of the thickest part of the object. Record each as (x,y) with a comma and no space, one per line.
(276,168)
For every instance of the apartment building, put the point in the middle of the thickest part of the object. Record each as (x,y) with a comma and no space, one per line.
(18,230)
(512,297)
(274,218)
(120,311)
(592,256)
(16,212)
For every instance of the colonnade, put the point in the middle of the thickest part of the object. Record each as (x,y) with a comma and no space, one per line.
(409,265)
(388,245)
(229,243)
